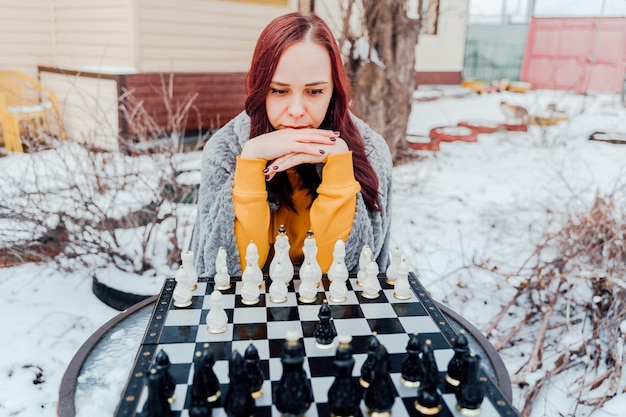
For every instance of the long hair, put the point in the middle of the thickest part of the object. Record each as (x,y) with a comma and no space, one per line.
(280,34)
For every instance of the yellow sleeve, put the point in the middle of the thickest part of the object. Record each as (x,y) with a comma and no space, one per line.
(332,212)
(252,213)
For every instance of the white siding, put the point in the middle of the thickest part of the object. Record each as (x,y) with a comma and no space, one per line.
(94,33)
(89,107)
(26,33)
(201,35)
(445,51)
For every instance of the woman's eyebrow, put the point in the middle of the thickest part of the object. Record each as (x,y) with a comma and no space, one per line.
(306,85)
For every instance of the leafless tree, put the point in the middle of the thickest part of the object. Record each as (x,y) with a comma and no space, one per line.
(380,60)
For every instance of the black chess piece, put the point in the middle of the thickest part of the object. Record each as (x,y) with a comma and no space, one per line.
(162,365)
(412,369)
(254,372)
(471,391)
(325,331)
(366,368)
(205,388)
(428,400)
(157,404)
(237,401)
(455,366)
(344,394)
(293,394)
(381,394)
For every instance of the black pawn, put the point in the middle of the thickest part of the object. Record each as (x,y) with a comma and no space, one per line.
(471,391)
(428,400)
(344,394)
(157,403)
(456,364)
(293,394)
(412,369)
(238,402)
(325,331)
(162,365)
(368,365)
(205,388)
(381,394)
(255,374)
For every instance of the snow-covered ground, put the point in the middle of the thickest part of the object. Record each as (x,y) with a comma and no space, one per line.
(488,200)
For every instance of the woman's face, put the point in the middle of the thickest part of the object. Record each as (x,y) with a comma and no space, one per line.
(301,87)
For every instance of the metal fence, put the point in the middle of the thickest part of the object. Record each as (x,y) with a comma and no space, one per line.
(492,61)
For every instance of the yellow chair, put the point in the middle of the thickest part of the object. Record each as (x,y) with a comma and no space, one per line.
(23,101)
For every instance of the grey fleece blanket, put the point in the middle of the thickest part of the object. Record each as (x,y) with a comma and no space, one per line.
(215,221)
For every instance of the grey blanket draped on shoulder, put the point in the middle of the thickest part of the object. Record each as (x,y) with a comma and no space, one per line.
(215,221)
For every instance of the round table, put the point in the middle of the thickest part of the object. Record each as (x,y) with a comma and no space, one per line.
(96,376)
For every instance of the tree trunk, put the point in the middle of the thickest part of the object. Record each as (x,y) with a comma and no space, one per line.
(384,79)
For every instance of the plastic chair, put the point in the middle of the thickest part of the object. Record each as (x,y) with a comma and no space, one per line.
(24,101)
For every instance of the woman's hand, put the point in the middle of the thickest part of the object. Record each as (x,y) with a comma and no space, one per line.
(287,148)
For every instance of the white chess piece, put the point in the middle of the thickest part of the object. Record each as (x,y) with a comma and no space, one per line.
(310,256)
(392,269)
(222,278)
(250,292)
(402,289)
(281,254)
(252,272)
(364,260)
(338,274)
(307,289)
(278,288)
(182,291)
(216,319)
(192,275)
(371,285)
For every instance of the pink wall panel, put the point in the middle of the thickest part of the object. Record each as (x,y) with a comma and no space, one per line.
(577,54)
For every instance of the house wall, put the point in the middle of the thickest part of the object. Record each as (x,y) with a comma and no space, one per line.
(26,32)
(202,35)
(439,57)
(93,34)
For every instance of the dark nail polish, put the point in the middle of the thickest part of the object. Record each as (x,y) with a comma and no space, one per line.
(333,139)
(275,167)
(336,133)
(266,170)
(322,151)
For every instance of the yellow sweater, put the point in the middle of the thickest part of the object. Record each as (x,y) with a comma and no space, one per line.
(329,217)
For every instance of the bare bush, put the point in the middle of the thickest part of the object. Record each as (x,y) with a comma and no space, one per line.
(572,293)
(85,207)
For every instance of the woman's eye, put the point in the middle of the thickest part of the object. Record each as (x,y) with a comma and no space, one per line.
(316,92)
(278,91)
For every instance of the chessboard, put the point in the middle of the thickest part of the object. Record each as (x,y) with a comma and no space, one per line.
(182,332)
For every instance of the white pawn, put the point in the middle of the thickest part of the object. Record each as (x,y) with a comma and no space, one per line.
(392,269)
(310,257)
(182,292)
(192,275)
(307,289)
(250,292)
(222,278)
(364,260)
(338,274)
(278,288)
(281,254)
(402,289)
(216,319)
(371,285)
(253,272)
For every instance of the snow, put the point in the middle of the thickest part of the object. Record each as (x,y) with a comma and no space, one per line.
(468,202)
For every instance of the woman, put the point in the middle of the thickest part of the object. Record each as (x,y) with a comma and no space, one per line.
(296,157)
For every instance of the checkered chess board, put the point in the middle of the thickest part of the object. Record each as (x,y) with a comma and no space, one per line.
(181,332)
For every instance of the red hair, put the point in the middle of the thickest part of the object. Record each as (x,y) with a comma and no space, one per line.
(280,34)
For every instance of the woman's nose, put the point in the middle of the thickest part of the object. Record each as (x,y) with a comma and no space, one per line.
(296,106)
